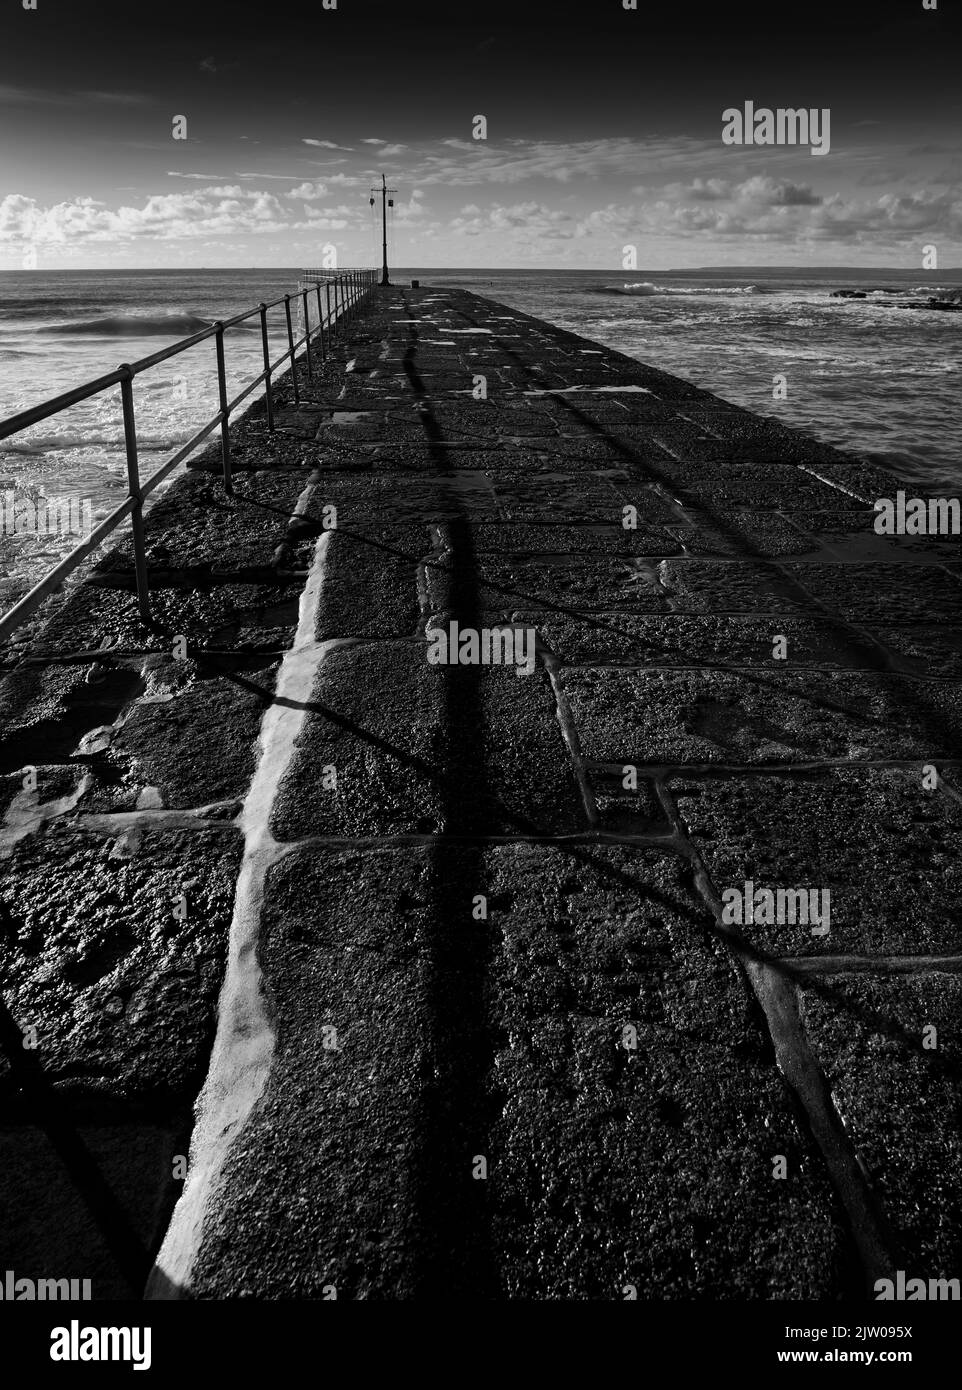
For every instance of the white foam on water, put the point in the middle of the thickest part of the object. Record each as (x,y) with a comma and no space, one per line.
(590,390)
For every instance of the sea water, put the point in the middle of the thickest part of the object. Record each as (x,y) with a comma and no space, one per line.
(860,373)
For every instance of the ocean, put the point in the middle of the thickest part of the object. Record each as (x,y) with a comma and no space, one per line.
(860,373)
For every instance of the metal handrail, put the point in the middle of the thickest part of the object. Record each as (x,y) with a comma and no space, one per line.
(351,285)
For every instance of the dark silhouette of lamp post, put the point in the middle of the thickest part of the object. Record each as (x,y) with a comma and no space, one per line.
(386,203)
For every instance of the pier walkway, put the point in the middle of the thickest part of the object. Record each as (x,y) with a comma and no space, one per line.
(488,1026)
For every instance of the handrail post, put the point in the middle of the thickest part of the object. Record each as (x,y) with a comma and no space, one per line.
(320,320)
(268,393)
(133,491)
(290,344)
(327,296)
(337,313)
(307,337)
(222,394)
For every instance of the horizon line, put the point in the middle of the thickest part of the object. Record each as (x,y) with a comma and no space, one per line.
(498,269)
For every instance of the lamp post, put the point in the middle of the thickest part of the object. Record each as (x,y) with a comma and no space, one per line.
(386,203)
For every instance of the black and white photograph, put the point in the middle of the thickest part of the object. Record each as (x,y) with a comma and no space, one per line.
(480,674)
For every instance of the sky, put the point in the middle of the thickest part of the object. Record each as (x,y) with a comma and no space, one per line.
(603,132)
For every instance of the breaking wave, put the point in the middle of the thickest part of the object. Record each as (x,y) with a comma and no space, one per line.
(132,326)
(645,287)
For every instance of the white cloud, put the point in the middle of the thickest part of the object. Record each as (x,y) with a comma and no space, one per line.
(177,174)
(531,218)
(307,190)
(226,210)
(763,209)
(520,160)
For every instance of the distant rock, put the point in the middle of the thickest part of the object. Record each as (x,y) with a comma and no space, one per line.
(951,306)
(848,294)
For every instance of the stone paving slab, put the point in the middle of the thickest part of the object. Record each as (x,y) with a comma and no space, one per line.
(397,731)
(121,993)
(856,832)
(897,1087)
(732,717)
(371,586)
(884,593)
(676,639)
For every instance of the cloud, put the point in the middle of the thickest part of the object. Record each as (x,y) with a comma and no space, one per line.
(532,218)
(116,98)
(41,96)
(215,65)
(224,210)
(776,193)
(16,96)
(370,141)
(411,211)
(307,190)
(761,189)
(767,210)
(521,160)
(325,144)
(177,174)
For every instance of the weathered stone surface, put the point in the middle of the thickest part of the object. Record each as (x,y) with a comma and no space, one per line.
(680,717)
(506,585)
(481,901)
(700,586)
(371,582)
(900,1100)
(883,593)
(880,843)
(422,749)
(675,639)
(503,1039)
(121,993)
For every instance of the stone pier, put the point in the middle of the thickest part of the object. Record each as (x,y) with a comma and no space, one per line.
(449,953)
